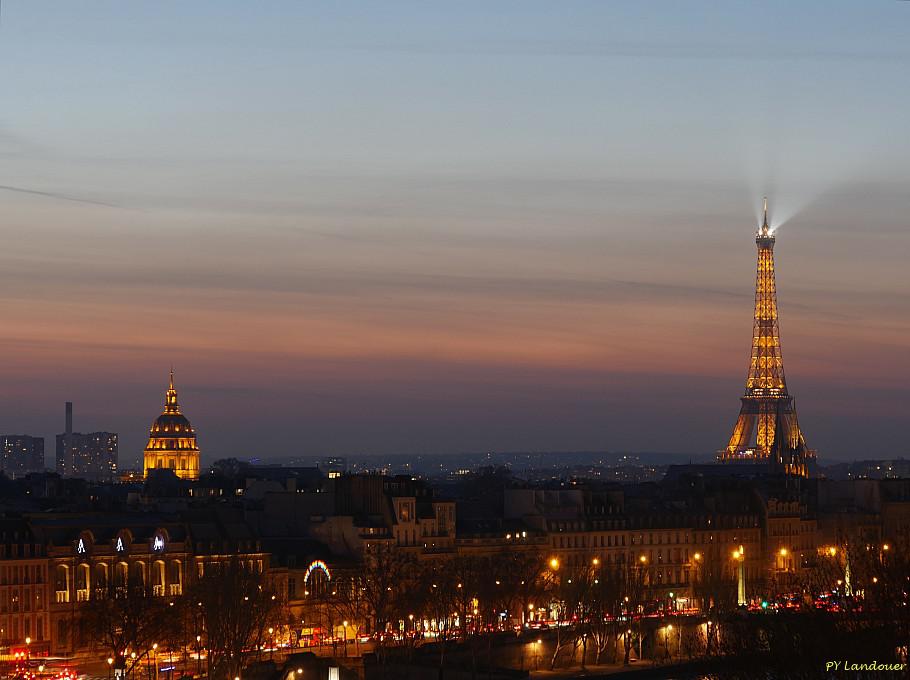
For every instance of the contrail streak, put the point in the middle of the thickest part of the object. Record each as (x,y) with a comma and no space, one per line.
(51,194)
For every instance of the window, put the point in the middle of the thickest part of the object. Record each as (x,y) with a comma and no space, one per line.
(63,631)
(158,578)
(61,583)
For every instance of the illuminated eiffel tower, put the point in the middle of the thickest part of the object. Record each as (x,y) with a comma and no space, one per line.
(767,429)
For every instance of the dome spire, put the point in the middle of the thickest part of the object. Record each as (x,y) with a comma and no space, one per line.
(170,400)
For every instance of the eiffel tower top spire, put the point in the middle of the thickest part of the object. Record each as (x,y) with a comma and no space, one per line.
(766,368)
(764,224)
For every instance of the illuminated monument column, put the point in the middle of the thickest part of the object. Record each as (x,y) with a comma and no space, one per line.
(172,440)
(740,557)
(767,429)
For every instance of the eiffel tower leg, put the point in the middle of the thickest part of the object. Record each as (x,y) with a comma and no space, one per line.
(765,436)
(742,434)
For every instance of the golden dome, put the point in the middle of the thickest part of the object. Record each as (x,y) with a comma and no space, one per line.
(172,440)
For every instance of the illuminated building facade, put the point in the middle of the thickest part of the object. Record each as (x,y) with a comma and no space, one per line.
(767,429)
(68,563)
(23,588)
(172,440)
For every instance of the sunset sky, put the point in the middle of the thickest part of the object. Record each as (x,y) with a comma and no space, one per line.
(402,227)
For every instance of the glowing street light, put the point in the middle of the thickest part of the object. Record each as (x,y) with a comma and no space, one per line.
(554,563)
(784,552)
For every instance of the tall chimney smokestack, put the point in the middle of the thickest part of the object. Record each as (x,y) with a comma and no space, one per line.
(69,417)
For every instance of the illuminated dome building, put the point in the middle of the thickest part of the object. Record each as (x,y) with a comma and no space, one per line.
(172,440)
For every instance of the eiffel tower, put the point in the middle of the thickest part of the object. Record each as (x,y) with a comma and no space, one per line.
(767,429)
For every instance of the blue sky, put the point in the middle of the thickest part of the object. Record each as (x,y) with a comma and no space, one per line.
(426,227)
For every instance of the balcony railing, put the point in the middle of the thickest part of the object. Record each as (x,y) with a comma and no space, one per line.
(158,590)
(175,589)
(63,596)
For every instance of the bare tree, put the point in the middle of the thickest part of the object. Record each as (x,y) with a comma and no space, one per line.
(126,625)
(237,607)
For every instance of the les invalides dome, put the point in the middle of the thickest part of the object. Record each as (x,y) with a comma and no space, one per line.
(172,440)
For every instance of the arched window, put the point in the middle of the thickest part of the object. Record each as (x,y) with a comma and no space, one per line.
(317,579)
(137,575)
(176,579)
(121,579)
(158,578)
(101,580)
(62,583)
(83,581)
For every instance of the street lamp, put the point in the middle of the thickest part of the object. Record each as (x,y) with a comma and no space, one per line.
(344,638)
(554,563)
(110,662)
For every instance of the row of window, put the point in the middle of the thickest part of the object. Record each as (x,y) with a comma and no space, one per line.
(615,541)
(14,574)
(89,580)
(24,599)
(596,541)
(15,629)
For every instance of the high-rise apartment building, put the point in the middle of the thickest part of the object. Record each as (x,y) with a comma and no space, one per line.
(21,454)
(92,455)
